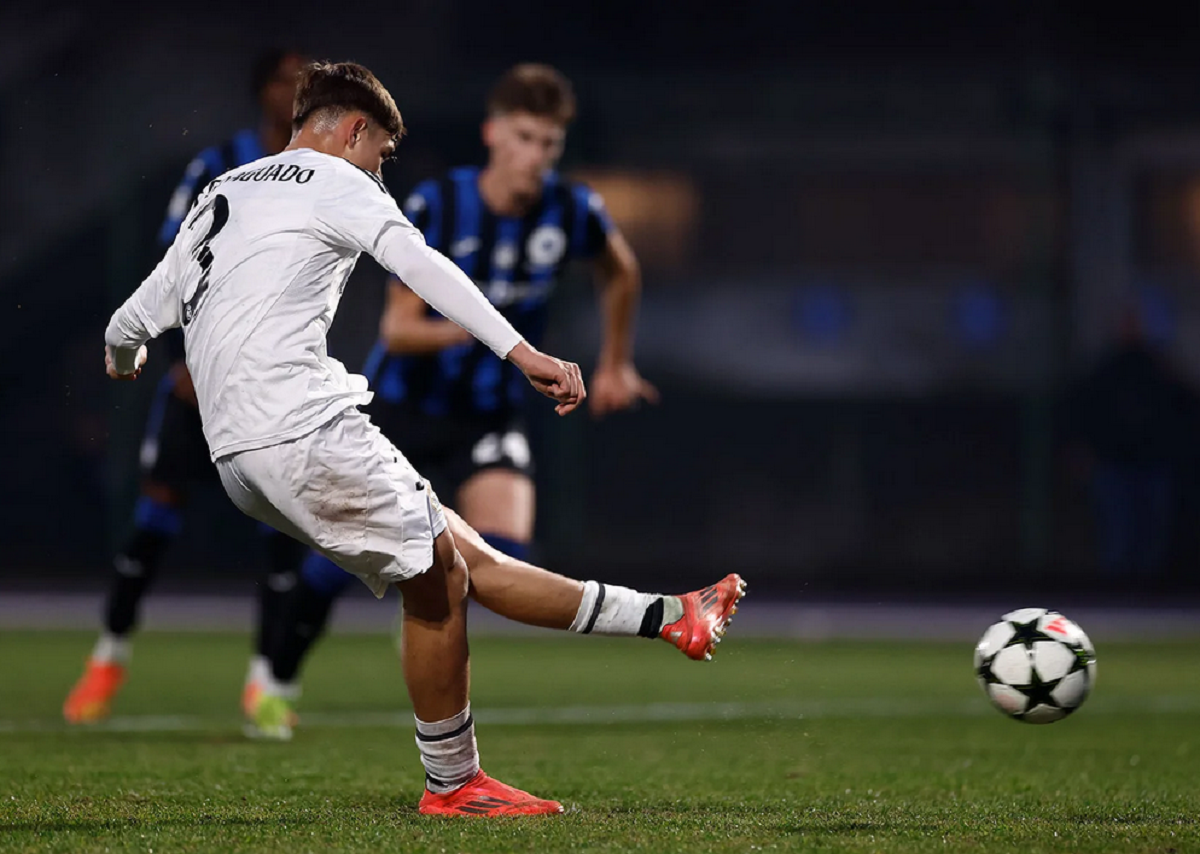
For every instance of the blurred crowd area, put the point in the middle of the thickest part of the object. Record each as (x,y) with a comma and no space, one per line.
(920,286)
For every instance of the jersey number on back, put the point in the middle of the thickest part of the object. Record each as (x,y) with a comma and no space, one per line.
(219,205)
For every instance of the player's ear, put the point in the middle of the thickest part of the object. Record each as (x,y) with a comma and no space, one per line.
(358,130)
(487,131)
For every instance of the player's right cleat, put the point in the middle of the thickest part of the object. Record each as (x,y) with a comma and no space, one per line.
(706,616)
(91,698)
(273,718)
(484,797)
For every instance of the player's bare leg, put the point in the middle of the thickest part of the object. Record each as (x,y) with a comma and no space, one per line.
(435,656)
(694,622)
(501,502)
(434,635)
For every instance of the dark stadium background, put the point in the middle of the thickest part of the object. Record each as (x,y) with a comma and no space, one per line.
(880,242)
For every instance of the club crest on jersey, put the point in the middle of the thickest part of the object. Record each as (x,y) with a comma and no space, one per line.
(546,246)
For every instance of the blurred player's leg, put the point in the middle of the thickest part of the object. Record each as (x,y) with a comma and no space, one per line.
(274,591)
(156,523)
(169,457)
(304,615)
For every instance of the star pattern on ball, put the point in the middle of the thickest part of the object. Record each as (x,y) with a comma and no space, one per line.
(1037,692)
(1027,634)
(984,671)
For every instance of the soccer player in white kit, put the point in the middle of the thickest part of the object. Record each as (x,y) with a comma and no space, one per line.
(254,278)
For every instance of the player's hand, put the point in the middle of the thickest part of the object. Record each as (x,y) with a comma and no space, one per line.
(619,387)
(111,367)
(558,380)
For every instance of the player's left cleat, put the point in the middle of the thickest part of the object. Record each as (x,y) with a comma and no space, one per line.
(273,719)
(706,617)
(91,698)
(484,797)
(252,694)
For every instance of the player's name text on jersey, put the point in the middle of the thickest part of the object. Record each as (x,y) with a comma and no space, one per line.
(272,172)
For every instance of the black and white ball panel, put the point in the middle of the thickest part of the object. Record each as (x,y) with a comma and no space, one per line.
(1035,665)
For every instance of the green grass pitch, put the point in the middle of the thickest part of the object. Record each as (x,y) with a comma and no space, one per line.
(775,746)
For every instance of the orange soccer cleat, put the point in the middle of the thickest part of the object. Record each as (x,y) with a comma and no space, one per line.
(91,698)
(706,615)
(252,692)
(484,797)
(253,695)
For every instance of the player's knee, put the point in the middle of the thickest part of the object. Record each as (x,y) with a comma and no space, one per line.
(440,592)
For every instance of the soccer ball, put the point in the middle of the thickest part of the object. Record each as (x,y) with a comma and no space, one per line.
(1035,665)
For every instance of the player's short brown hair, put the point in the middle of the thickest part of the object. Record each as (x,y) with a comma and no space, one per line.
(344,86)
(533,88)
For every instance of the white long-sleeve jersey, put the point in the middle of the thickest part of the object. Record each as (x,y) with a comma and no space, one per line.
(255,276)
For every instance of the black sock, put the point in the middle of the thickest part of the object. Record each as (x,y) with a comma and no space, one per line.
(305,614)
(275,587)
(135,569)
(652,620)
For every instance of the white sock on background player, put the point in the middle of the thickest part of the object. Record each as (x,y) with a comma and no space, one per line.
(259,670)
(110,649)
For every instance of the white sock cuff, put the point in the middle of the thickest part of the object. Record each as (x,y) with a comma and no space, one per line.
(619,611)
(589,607)
(449,725)
(110,649)
(288,690)
(259,669)
(448,751)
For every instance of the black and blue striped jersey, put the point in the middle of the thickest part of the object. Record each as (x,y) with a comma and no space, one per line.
(242,148)
(515,261)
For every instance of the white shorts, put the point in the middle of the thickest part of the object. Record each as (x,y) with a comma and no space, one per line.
(346,491)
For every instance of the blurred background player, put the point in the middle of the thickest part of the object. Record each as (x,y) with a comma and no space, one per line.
(453,407)
(174,454)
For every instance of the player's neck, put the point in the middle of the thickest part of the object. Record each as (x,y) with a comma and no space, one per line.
(273,138)
(320,142)
(500,197)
